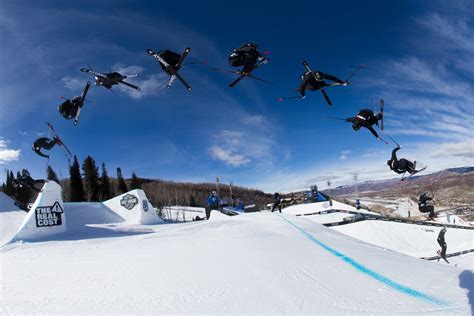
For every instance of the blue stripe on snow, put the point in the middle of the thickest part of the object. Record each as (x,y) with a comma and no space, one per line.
(399,287)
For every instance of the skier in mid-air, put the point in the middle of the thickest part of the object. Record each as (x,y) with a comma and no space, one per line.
(277,203)
(315,80)
(171,58)
(46,144)
(425,207)
(365,118)
(401,165)
(212,203)
(442,242)
(247,56)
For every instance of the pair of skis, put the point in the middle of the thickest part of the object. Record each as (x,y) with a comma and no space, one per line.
(52,130)
(173,70)
(242,75)
(444,257)
(83,99)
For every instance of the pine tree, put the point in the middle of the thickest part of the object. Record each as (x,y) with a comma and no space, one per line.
(91,179)
(122,186)
(76,187)
(52,175)
(9,188)
(135,183)
(105,187)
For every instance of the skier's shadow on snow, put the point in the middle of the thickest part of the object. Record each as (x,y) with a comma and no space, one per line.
(466,281)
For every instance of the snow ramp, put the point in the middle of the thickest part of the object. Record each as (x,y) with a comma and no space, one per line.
(134,208)
(46,217)
(11,218)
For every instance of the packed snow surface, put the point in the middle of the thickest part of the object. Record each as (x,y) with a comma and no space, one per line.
(7,204)
(251,263)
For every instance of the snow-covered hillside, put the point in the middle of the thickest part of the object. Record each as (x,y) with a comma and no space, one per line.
(252,263)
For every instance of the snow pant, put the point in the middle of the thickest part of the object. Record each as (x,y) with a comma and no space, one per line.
(427,209)
(208,212)
(247,61)
(443,246)
(275,206)
(407,165)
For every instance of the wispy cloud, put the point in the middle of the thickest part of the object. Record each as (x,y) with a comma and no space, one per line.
(345,154)
(228,156)
(460,149)
(7,154)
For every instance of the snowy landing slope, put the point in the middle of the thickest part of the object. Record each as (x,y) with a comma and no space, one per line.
(253,263)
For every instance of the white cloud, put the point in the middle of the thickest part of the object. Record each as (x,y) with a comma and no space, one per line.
(256,120)
(345,154)
(22,133)
(228,156)
(7,154)
(461,149)
(74,83)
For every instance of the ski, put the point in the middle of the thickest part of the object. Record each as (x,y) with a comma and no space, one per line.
(328,101)
(242,75)
(83,99)
(412,174)
(178,66)
(56,134)
(444,258)
(171,69)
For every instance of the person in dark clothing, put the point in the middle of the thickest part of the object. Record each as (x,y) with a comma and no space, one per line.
(314,80)
(425,207)
(247,56)
(401,165)
(442,242)
(25,180)
(69,108)
(365,118)
(171,58)
(45,143)
(277,203)
(212,203)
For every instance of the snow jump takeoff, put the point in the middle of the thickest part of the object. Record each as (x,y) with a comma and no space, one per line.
(70,109)
(110,79)
(171,63)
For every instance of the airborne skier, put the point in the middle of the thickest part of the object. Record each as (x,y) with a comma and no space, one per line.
(366,118)
(45,143)
(70,109)
(401,165)
(247,56)
(425,207)
(171,63)
(314,80)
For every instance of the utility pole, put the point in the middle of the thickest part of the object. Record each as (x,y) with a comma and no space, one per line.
(218,180)
(231,195)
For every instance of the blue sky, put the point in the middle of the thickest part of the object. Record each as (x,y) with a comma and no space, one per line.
(418,53)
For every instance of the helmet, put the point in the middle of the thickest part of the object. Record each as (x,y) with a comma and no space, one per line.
(253,45)
(356,126)
(388,162)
